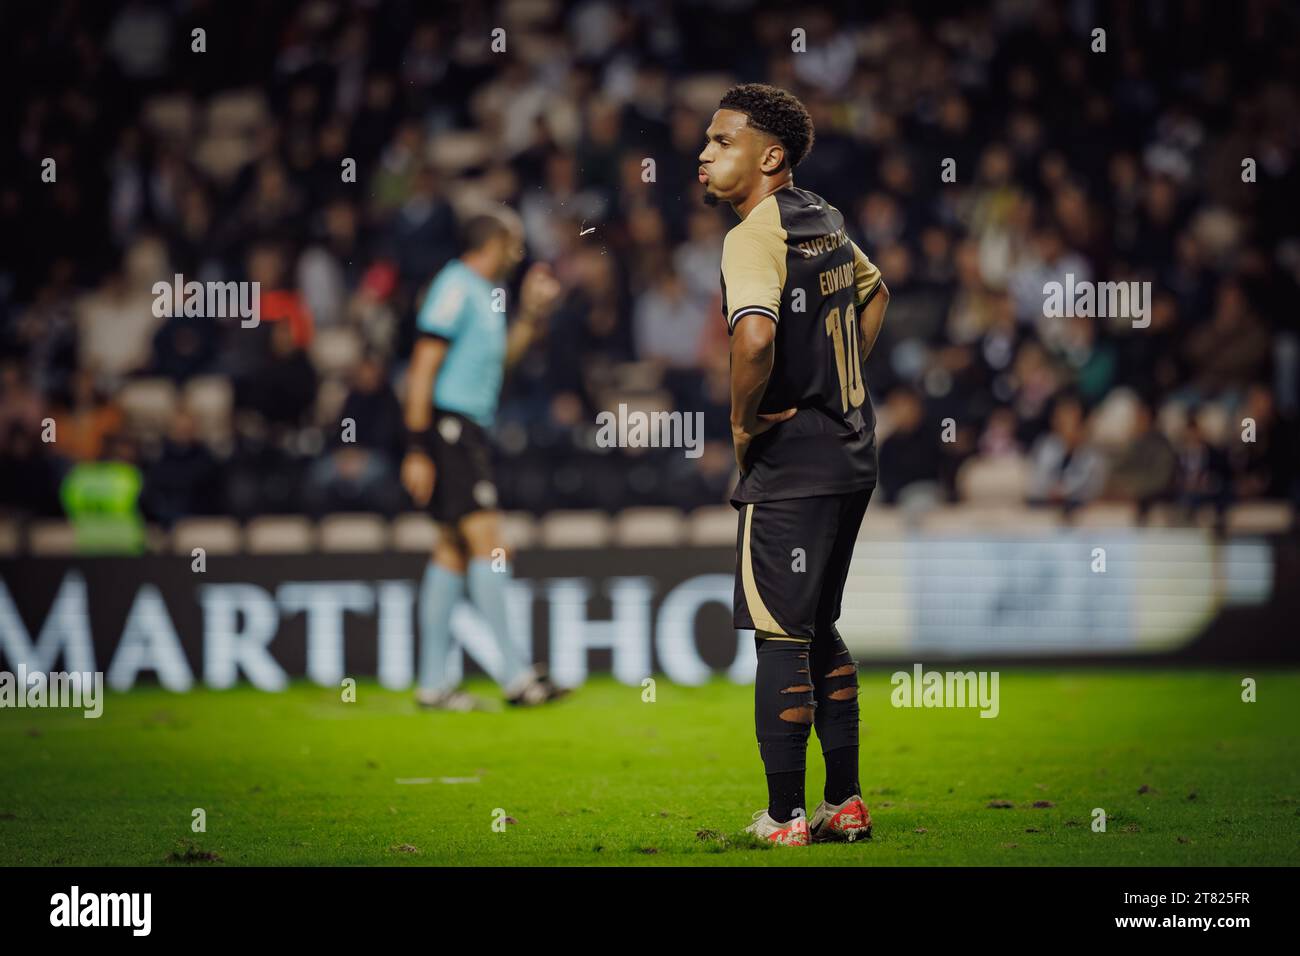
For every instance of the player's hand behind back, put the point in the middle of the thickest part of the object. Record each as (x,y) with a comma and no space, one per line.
(418,476)
(742,436)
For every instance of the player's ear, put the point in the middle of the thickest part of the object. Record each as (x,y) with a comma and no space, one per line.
(773,158)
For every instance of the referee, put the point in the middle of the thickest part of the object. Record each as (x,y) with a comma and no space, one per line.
(453,386)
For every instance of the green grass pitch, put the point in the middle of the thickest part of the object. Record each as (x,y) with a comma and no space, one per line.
(1186,772)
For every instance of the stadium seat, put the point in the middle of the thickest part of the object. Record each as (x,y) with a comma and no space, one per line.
(1034,519)
(336,351)
(238,113)
(331,394)
(10,537)
(353,532)
(519,529)
(636,400)
(280,534)
(210,399)
(1112,424)
(712,526)
(1171,419)
(1106,514)
(413,531)
(575,529)
(637,376)
(1169,515)
(918,497)
(651,527)
(701,91)
(1260,517)
(946,520)
(1216,424)
(882,522)
(213,535)
(50,538)
(148,405)
(1001,479)
(455,150)
(221,156)
(157,540)
(231,124)
(170,117)
(1006,518)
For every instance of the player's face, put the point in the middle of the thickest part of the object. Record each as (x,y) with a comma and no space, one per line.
(730,163)
(511,251)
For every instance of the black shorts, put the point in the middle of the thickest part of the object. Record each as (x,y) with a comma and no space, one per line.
(792,558)
(462,457)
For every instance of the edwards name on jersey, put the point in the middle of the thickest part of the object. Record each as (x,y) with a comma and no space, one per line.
(791,261)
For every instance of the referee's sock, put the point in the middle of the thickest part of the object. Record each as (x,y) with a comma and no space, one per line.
(487,589)
(440,589)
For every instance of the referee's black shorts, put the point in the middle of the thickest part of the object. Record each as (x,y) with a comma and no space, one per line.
(462,457)
(792,558)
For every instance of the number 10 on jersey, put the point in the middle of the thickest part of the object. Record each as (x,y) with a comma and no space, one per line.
(849,366)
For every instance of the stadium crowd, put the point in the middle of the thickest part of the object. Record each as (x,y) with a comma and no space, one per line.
(230,164)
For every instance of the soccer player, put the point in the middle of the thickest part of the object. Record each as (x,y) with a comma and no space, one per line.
(803,306)
(453,385)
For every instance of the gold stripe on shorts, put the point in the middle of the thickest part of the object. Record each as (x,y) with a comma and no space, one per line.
(758,611)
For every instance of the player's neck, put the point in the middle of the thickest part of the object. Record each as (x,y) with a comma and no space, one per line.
(480,265)
(743,209)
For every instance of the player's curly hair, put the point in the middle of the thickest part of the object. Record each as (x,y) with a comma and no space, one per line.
(775,112)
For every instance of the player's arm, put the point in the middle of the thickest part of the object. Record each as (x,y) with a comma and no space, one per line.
(870,318)
(872,298)
(753,271)
(753,349)
(417,467)
(538,297)
(438,323)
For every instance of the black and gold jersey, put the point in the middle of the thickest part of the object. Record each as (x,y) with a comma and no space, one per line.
(791,262)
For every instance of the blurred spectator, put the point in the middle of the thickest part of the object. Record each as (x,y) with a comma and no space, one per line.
(184,346)
(999,436)
(83,427)
(1091,363)
(423,230)
(910,454)
(278,301)
(1144,470)
(1065,468)
(29,476)
(669,323)
(1231,350)
(281,385)
(115,327)
(358,473)
(1262,449)
(101,499)
(1202,476)
(183,479)
(1066,164)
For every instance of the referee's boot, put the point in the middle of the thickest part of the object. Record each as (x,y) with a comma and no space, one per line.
(533,688)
